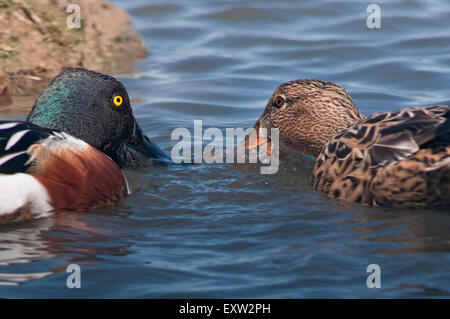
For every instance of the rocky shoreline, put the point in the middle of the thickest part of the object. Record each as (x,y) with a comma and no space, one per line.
(36,43)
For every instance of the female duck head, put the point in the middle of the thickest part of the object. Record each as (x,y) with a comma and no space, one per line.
(308,113)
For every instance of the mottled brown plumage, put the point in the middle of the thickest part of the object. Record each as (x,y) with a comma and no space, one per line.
(399,158)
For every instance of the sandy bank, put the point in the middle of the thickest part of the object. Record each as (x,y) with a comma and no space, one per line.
(36,43)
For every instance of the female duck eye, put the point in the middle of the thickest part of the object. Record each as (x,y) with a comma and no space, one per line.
(118,100)
(278,102)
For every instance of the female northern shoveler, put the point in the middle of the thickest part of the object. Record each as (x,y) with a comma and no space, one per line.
(43,169)
(399,158)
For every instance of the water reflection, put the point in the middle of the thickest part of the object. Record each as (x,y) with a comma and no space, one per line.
(67,235)
(403,231)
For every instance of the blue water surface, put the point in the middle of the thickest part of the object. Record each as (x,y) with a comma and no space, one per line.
(225,230)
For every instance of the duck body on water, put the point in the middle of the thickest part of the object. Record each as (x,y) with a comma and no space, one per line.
(81,131)
(68,154)
(399,158)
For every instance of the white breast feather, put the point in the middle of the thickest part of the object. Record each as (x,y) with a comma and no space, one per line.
(18,190)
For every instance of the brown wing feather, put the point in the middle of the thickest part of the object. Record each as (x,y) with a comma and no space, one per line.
(349,164)
(420,180)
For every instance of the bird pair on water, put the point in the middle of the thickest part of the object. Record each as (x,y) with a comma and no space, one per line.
(81,129)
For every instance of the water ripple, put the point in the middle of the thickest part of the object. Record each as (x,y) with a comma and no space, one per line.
(225,230)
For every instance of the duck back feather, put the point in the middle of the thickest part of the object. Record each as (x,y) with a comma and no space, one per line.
(400,158)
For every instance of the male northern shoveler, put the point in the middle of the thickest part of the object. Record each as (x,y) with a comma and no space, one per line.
(68,154)
(399,158)
(95,108)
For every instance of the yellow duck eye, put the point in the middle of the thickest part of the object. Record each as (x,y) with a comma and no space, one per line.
(118,100)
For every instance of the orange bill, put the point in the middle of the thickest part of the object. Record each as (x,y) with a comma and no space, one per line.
(259,141)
